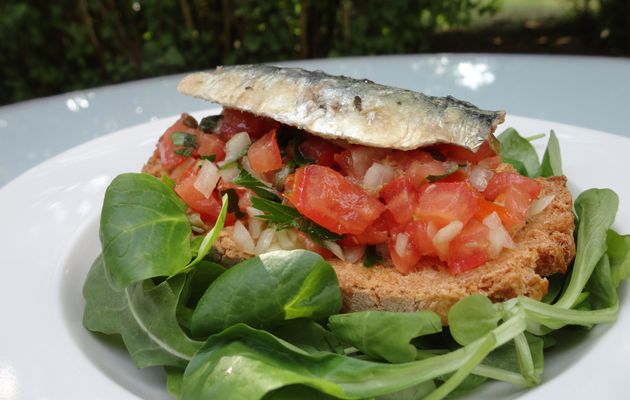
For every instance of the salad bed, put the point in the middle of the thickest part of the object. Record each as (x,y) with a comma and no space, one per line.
(270,326)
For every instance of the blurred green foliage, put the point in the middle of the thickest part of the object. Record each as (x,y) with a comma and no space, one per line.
(51,47)
(56,46)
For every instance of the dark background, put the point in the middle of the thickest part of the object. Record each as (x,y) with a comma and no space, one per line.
(55,47)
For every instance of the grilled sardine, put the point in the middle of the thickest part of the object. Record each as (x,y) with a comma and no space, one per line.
(339,107)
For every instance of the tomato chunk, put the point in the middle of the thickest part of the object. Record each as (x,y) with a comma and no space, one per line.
(400,197)
(166,149)
(355,161)
(264,155)
(208,208)
(501,181)
(235,121)
(470,248)
(376,233)
(326,197)
(422,236)
(210,145)
(517,203)
(319,150)
(405,256)
(444,202)
(462,155)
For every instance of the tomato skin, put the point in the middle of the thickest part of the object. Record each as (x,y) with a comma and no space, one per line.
(320,150)
(462,155)
(208,208)
(326,197)
(444,202)
(470,248)
(264,154)
(400,198)
(407,261)
(208,145)
(166,149)
(501,181)
(235,121)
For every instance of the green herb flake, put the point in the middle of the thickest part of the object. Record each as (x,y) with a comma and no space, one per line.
(246,180)
(209,124)
(371,257)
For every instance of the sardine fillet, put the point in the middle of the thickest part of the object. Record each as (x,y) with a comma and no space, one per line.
(338,107)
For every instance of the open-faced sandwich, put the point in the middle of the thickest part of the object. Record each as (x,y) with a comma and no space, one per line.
(404,194)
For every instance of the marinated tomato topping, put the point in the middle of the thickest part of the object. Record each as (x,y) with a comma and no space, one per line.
(443,203)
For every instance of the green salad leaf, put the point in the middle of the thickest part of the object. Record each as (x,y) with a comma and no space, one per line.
(385,335)
(265,290)
(144,230)
(519,152)
(144,314)
(552,160)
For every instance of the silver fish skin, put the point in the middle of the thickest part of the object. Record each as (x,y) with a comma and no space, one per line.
(338,107)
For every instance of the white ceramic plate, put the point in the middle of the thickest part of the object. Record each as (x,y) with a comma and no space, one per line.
(49,236)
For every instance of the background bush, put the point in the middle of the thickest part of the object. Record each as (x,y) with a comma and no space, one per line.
(52,47)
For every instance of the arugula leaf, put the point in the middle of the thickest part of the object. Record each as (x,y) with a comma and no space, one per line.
(249,292)
(552,161)
(144,230)
(514,147)
(245,179)
(174,377)
(308,335)
(285,217)
(385,335)
(144,315)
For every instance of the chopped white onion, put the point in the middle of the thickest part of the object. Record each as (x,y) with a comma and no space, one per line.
(353,253)
(242,238)
(229,173)
(236,147)
(443,237)
(497,235)
(207,178)
(402,239)
(255,227)
(479,177)
(376,176)
(539,205)
(286,240)
(264,241)
(335,249)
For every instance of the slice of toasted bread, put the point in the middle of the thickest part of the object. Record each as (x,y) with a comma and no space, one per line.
(545,246)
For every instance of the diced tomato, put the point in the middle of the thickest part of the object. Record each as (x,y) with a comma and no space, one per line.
(444,202)
(406,258)
(184,169)
(487,207)
(235,121)
(326,197)
(319,150)
(462,155)
(210,144)
(458,176)
(166,149)
(400,197)
(376,233)
(208,208)
(314,247)
(517,203)
(470,248)
(264,154)
(422,237)
(501,181)
(418,171)
(355,161)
